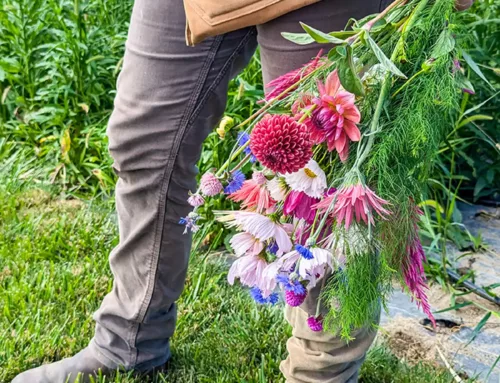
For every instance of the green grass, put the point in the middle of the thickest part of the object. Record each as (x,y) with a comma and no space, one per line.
(54,273)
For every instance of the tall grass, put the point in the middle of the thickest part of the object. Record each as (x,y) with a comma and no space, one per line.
(58,67)
(59,60)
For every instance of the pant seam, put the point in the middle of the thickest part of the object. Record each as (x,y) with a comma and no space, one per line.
(155,251)
(184,126)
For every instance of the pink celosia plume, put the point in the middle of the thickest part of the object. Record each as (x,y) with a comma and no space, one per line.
(414,276)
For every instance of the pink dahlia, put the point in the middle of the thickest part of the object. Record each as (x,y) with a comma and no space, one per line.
(210,184)
(282,83)
(335,117)
(354,201)
(315,323)
(299,204)
(281,144)
(254,194)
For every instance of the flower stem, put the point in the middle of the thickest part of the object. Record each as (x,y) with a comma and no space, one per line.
(374,125)
(241,163)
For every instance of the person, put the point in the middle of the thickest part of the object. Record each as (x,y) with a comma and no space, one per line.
(169,98)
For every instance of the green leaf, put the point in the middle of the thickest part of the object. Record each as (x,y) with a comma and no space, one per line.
(479,326)
(382,58)
(298,38)
(454,307)
(432,203)
(476,117)
(347,74)
(342,34)
(475,68)
(480,185)
(481,104)
(444,44)
(321,37)
(464,83)
(492,368)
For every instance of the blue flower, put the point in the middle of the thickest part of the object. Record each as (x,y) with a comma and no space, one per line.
(190,222)
(235,182)
(243,138)
(273,248)
(304,251)
(256,294)
(294,286)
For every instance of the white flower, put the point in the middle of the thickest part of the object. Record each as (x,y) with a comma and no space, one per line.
(276,189)
(311,180)
(312,269)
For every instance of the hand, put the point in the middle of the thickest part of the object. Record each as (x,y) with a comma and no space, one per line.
(462,5)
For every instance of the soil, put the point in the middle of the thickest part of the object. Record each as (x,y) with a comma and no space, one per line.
(408,334)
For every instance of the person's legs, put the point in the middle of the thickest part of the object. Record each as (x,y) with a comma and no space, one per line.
(314,357)
(169,98)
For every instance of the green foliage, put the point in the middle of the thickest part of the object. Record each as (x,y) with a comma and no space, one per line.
(472,150)
(58,67)
(59,61)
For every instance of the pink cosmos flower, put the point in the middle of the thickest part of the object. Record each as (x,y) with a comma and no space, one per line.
(299,204)
(277,189)
(354,201)
(280,84)
(253,271)
(246,243)
(260,226)
(254,194)
(248,269)
(335,117)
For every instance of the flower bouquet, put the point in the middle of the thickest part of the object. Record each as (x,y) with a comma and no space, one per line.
(340,151)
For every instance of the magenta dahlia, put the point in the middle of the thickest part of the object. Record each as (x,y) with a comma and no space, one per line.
(281,144)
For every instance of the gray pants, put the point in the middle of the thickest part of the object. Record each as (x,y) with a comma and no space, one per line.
(169,98)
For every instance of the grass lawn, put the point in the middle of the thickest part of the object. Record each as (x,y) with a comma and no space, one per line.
(54,272)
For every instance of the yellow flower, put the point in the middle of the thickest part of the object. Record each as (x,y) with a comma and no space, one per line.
(224,126)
